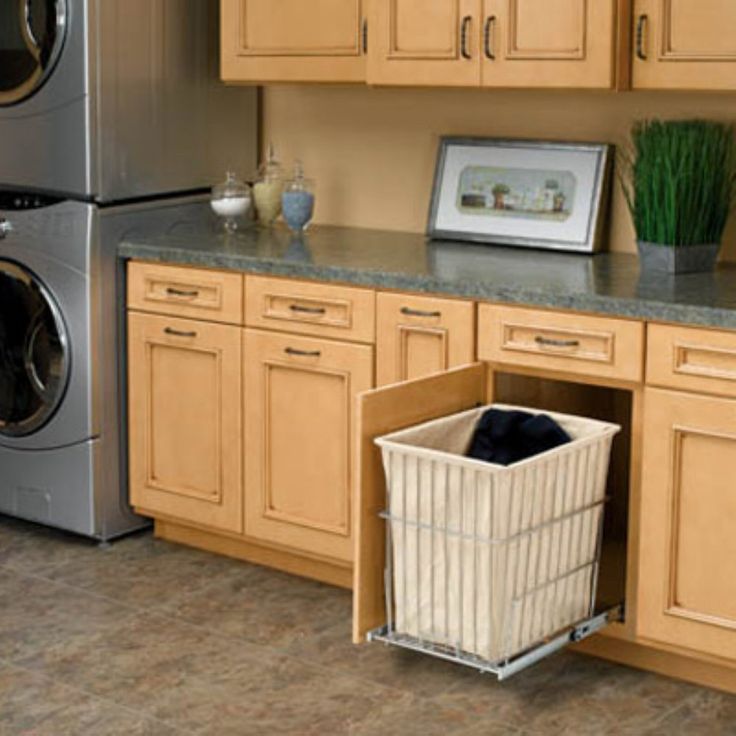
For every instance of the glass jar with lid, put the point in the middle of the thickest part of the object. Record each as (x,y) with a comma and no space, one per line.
(268,188)
(231,200)
(297,201)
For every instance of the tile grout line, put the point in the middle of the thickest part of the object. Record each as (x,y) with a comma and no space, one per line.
(94,696)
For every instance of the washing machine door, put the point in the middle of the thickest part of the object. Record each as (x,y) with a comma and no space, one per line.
(31,38)
(34,356)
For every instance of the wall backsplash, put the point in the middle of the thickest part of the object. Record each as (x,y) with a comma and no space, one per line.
(372,151)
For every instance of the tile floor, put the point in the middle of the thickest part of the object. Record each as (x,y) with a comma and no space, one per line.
(151,638)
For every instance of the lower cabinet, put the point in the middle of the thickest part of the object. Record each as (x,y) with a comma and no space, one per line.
(687,586)
(419,335)
(299,437)
(185,402)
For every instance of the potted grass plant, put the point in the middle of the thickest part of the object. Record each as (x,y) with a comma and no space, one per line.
(679,178)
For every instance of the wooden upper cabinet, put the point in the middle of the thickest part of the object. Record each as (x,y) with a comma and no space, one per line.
(292,40)
(687,586)
(419,335)
(549,43)
(684,44)
(185,420)
(424,42)
(299,430)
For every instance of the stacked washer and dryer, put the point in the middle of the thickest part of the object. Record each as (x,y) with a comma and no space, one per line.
(112,122)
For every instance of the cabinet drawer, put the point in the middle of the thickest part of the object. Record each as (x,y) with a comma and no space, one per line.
(310,308)
(215,296)
(692,359)
(419,335)
(570,343)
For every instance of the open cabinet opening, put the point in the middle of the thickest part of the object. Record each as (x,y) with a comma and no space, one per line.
(596,402)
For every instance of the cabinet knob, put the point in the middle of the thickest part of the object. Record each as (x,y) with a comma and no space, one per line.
(464,28)
(364,35)
(641,25)
(488,37)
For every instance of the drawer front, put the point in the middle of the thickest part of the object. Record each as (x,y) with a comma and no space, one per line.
(418,336)
(310,308)
(692,359)
(215,296)
(569,343)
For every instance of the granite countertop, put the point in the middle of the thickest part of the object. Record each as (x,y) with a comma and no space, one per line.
(607,283)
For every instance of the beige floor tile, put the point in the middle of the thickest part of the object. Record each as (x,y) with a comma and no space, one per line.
(707,713)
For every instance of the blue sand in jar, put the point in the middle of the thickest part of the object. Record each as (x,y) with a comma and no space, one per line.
(297,208)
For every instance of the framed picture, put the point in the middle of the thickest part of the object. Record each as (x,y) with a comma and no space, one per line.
(536,194)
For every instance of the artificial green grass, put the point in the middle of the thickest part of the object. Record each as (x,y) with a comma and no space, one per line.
(680,180)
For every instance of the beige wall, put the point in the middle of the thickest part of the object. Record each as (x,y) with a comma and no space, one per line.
(372,151)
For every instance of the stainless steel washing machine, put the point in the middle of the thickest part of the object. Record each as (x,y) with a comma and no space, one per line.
(110,100)
(62,399)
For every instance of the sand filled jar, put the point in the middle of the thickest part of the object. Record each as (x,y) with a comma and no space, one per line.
(267,190)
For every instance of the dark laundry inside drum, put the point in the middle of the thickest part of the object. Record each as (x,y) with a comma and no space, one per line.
(504,437)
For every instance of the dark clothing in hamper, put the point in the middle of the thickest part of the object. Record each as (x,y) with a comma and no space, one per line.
(504,437)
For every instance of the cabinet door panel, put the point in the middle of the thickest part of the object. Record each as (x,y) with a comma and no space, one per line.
(420,42)
(687,590)
(185,390)
(298,439)
(292,40)
(549,43)
(685,44)
(418,336)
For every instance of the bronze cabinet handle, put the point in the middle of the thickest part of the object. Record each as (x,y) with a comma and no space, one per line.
(640,28)
(550,342)
(188,293)
(179,333)
(364,35)
(464,28)
(409,312)
(303,353)
(307,310)
(488,37)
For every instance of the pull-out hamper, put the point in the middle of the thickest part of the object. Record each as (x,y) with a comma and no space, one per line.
(488,560)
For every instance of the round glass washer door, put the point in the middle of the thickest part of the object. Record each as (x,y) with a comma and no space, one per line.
(34,356)
(31,38)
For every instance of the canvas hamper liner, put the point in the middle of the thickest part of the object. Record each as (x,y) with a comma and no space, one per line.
(487,559)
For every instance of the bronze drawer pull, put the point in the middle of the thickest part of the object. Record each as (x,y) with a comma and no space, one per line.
(467,20)
(487,37)
(552,343)
(364,35)
(179,333)
(303,353)
(188,293)
(307,310)
(640,26)
(409,312)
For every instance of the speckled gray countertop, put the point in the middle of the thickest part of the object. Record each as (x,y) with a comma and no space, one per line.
(605,284)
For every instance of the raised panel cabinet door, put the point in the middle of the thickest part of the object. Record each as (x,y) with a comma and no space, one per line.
(687,586)
(684,44)
(419,336)
(293,40)
(549,43)
(184,385)
(299,429)
(424,42)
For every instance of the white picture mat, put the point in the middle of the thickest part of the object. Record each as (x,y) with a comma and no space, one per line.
(584,164)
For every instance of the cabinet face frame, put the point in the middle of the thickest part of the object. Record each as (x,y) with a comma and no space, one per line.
(238,63)
(657,64)
(671,419)
(220,508)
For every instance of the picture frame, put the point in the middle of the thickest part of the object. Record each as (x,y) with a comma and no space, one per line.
(527,193)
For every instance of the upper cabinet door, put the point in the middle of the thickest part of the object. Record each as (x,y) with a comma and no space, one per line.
(685,44)
(687,586)
(424,42)
(292,40)
(549,43)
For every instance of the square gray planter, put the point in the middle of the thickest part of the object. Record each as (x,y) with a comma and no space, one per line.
(678,259)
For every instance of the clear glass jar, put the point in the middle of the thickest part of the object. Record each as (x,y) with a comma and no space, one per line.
(268,188)
(297,201)
(231,200)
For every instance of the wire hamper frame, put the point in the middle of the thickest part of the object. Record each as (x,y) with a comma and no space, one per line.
(493,566)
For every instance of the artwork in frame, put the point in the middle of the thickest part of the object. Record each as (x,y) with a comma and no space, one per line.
(537,194)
